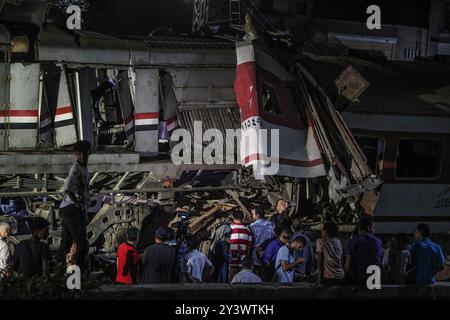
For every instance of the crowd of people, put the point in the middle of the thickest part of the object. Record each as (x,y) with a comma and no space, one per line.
(267,250)
(279,250)
(31,257)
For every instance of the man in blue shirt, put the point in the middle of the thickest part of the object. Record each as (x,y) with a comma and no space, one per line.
(426,256)
(364,250)
(287,261)
(302,271)
(262,231)
(270,254)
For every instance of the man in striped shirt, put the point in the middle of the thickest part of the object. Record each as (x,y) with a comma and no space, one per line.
(240,243)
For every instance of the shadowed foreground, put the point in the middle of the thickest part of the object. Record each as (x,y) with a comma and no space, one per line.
(440,291)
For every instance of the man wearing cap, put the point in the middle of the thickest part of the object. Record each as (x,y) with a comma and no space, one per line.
(128,259)
(159,260)
(262,232)
(287,260)
(75,204)
(363,250)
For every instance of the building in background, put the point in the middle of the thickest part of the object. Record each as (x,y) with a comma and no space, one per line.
(418,31)
(440,29)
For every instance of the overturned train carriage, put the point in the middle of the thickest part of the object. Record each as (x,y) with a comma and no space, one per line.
(127,96)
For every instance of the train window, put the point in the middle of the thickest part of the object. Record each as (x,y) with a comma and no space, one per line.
(419,159)
(446,19)
(373,149)
(269,99)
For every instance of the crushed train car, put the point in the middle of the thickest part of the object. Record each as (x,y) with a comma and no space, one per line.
(126,96)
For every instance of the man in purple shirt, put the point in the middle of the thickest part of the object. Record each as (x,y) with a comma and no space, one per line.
(270,254)
(363,250)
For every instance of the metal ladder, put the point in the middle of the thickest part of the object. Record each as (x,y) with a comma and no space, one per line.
(235,14)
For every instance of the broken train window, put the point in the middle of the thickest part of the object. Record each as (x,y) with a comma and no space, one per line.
(269,99)
(373,149)
(419,159)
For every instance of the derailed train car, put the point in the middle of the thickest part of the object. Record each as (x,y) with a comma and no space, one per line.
(402,124)
(126,96)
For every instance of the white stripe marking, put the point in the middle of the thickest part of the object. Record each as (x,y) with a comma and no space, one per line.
(146,122)
(19,119)
(63,117)
(245,53)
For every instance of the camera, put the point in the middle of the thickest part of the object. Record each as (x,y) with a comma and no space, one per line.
(184,216)
(182,231)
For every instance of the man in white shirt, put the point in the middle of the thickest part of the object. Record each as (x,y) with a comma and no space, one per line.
(246,275)
(196,264)
(5,254)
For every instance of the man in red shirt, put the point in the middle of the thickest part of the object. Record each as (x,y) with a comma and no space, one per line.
(128,259)
(240,243)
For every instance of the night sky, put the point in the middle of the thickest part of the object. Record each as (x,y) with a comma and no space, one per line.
(140,17)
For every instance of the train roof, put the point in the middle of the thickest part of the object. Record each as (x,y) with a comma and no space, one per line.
(86,47)
(408,88)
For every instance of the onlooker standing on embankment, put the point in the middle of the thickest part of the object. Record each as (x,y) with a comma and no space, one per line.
(240,244)
(73,208)
(426,257)
(364,250)
(329,256)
